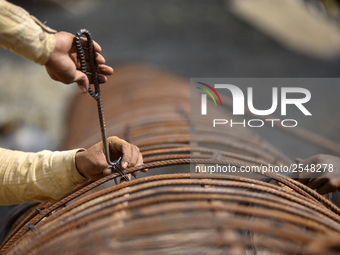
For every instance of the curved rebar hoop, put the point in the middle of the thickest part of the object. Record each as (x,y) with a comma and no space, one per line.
(173,210)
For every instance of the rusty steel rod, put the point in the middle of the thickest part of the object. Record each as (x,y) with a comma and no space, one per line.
(173,210)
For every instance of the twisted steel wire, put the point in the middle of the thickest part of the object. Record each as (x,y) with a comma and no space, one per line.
(182,213)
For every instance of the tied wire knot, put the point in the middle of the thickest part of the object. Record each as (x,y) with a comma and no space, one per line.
(95,93)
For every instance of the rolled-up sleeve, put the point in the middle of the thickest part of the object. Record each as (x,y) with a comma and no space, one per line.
(42,176)
(24,34)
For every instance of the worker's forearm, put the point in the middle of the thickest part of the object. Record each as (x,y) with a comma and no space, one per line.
(42,176)
(24,34)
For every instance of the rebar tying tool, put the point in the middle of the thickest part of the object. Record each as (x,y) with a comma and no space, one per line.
(96,93)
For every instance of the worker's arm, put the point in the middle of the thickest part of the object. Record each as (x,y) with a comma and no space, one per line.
(49,176)
(321,172)
(42,176)
(26,36)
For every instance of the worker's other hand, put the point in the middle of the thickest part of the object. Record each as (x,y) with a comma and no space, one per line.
(92,164)
(325,181)
(64,65)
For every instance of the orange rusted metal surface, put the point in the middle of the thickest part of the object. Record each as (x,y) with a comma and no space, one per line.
(170,210)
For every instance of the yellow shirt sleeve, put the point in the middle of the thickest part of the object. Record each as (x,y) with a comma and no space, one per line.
(24,34)
(42,176)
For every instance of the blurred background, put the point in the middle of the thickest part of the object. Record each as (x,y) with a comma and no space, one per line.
(191,38)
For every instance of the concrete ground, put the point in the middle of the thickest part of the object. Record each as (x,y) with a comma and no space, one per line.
(193,38)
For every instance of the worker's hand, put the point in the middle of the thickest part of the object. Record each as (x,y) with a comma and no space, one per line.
(92,164)
(64,65)
(324,177)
